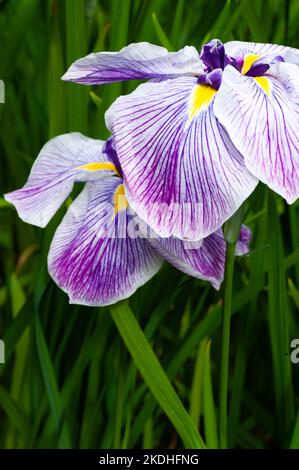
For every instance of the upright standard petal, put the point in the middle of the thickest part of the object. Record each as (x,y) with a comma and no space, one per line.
(182,174)
(138,61)
(91,257)
(62,161)
(239,49)
(261,115)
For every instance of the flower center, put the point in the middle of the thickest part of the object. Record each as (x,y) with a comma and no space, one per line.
(99,166)
(254,67)
(200,99)
(213,55)
(249,60)
(215,60)
(119,200)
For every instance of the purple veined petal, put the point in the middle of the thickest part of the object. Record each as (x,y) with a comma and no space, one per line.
(91,257)
(261,117)
(182,174)
(62,161)
(204,259)
(138,61)
(204,262)
(242,246)
(239,49)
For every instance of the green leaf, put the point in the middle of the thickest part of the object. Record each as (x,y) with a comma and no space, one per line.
(209,411)
(278,321)
(24,12)
(154,376)
(294,293)
(197,385)
(4,204)
(57,89)
(161,34)
(295,436)
(14,412)
(51,384)
(77,96)
(16,329)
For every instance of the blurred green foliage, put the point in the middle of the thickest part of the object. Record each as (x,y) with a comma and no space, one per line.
(68,380)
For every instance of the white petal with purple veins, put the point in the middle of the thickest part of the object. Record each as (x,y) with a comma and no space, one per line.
(91,257)
(204,259)
(205,262)
(261,115)
(62,161)
(241,49)
(183,176)
(138,61)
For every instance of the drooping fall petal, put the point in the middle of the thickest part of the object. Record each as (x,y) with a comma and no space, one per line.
(91,257)
(182,174)
(62,161)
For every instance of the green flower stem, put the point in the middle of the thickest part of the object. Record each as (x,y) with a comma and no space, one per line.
(231,235)
(225,338)
(154,375)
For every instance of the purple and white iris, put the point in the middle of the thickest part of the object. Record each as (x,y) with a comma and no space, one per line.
(102,252)
(194,141)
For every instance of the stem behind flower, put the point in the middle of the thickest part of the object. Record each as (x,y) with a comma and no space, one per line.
(224,367)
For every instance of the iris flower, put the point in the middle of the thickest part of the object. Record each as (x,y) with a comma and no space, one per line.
(102,252)
(194,141)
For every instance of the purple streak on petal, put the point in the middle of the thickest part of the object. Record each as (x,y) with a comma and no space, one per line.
(141,61)
(110,152)
(91,257)
(205,262)
(278,58)
(236,62)
(265,129)
(182,174)
(53,174)
(239,49)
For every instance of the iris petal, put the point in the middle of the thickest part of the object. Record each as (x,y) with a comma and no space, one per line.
(204,262)
(264,126)
(135,62)
(182,174)
(91,257)
(204,259)
(62,161)
(239,49)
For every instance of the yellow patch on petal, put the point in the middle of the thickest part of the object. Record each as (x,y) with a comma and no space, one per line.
(200,99)
(97,166)
(248,62)
(119,200)
(264,83)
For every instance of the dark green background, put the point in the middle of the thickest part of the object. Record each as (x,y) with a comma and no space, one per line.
(86,392)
